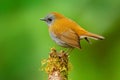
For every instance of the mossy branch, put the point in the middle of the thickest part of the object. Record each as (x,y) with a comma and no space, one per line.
(57,65)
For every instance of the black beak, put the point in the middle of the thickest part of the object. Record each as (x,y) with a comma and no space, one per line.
(42,19)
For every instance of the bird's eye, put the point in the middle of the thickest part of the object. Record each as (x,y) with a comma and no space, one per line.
(49,19)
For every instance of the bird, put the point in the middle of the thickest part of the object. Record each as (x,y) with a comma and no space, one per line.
(66,32)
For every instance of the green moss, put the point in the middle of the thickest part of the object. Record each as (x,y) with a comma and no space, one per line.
(57,61)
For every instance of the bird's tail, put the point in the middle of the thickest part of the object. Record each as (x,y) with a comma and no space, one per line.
(94,36)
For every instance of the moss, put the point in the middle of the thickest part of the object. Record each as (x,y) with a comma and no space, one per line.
(57,61)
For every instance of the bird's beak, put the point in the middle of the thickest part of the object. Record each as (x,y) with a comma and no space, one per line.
(42,19)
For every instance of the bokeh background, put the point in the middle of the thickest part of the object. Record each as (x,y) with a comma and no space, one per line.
(25,41)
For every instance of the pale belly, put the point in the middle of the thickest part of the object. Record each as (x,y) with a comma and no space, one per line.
(58,41)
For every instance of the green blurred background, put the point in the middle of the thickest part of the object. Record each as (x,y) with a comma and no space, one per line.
(25,41)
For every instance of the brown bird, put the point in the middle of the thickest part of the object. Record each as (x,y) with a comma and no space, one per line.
(67,33)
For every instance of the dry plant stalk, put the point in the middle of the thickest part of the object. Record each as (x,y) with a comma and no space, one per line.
(57,65)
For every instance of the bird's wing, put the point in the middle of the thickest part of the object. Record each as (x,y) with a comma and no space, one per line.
(71,38)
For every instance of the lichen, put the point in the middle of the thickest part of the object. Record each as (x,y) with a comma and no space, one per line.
(57,61)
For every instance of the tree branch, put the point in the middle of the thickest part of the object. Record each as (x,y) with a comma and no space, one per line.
(57,65)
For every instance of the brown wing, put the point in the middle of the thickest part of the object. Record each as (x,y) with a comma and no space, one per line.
(71,38)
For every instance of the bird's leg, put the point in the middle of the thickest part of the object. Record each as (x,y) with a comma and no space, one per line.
(68,50)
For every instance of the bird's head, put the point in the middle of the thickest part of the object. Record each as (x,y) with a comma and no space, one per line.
(52,17)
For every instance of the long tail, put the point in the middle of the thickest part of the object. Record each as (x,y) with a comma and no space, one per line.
(94,36)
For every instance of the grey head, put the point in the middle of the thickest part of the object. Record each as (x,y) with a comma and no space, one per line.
(49,19)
